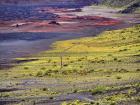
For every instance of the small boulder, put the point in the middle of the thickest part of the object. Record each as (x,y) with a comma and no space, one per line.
(17,25)
(54,22)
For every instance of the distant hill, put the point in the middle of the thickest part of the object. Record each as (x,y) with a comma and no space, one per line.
(44,1)
(116,3)
(129,6)
(132,8)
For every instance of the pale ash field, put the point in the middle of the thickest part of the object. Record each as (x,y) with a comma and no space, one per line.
(102,70)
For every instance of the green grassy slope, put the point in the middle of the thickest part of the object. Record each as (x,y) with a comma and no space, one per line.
(120,48)
(113,50)
(112,58)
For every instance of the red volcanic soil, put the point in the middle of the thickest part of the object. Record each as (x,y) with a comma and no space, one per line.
(71,23)
(68,22)
(107,23)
